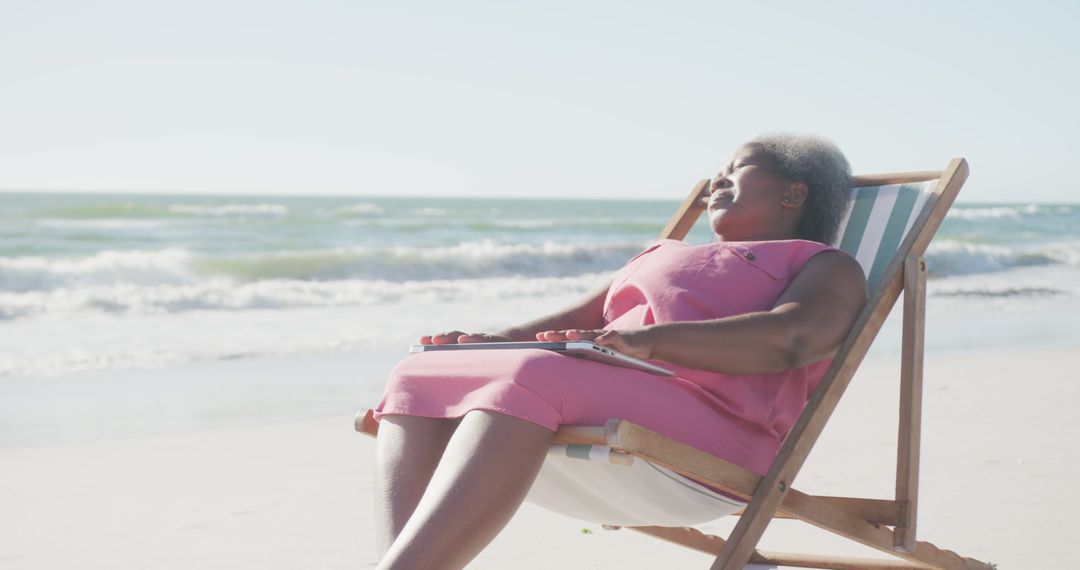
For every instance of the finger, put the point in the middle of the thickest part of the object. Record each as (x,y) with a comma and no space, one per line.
(467,338)
(426,339)
(607,338)
(446,337)
(578,334)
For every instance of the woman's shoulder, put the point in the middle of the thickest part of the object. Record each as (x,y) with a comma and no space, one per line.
(836,265)
(785,256)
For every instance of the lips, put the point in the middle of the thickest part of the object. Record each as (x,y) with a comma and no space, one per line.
(721,200)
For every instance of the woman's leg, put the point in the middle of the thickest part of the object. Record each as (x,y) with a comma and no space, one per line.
(406,453)
(483,477)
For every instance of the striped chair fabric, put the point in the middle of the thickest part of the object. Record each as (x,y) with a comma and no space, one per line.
(595,483)
(877,220)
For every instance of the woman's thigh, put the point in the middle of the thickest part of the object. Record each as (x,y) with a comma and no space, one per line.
(555,389)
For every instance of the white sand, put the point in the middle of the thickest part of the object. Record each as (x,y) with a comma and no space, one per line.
(997,473)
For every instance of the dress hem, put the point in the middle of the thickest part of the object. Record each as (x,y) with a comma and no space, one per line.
(377,415)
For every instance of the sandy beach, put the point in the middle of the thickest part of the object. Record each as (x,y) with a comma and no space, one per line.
(254,464)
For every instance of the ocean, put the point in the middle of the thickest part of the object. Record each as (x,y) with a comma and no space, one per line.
(93,282)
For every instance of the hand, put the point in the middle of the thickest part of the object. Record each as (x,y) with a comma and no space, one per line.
(631,342)
(455,337)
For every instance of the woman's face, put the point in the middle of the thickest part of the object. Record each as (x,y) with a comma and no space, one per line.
(749,200)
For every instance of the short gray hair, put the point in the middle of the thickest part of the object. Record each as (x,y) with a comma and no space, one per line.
(822,167)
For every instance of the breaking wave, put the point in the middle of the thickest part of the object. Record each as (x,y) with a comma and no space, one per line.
(951,257)
(177,266)
(222,295)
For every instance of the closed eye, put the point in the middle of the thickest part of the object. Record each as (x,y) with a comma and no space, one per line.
(731,169)
(726,172)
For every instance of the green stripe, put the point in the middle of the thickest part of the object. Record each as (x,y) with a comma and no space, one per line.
(578,450)
(860,215)
(894,231)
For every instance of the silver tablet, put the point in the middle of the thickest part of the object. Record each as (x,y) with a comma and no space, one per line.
(579,348)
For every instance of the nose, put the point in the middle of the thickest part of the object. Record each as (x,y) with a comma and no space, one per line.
(719,183)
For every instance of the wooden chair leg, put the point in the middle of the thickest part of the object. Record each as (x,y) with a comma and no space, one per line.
(911,380)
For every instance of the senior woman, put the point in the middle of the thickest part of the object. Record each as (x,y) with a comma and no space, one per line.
(749,323)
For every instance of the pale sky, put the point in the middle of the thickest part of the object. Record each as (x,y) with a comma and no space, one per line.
(598,99)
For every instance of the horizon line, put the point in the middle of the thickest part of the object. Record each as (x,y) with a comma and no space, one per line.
(418,196)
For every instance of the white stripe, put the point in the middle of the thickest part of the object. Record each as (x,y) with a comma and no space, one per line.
(599,453)
(875,227)
(925,188)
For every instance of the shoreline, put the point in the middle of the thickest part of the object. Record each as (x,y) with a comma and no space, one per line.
(198,396)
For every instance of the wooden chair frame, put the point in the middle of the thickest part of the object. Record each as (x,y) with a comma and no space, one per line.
(771,496)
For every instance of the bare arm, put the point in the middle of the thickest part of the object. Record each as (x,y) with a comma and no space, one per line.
(586,314)
(807,323)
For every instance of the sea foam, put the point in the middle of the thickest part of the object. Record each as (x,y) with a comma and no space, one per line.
(33,273)
(178,266)
(953,257)
(222,295)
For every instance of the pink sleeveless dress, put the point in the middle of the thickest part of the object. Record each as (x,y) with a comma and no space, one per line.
(742,419)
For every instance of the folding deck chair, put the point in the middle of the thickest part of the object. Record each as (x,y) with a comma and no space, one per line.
(888,225)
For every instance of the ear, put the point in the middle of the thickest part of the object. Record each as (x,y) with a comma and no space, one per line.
(794,196)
